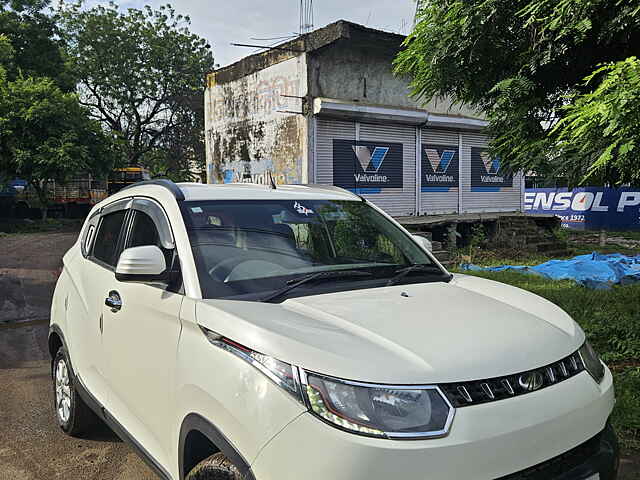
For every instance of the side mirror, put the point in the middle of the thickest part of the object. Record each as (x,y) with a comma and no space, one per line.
(423,242)
(142,264)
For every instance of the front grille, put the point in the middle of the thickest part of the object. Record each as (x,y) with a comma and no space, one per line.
(561,464)
(463,394)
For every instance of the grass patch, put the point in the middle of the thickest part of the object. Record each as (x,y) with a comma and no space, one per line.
(630,234)
(611,320)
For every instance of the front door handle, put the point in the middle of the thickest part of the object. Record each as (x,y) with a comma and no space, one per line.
(113,301)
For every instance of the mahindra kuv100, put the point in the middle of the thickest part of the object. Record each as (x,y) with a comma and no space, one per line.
(298,332)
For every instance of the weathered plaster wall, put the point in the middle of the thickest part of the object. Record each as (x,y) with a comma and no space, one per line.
(365,74)
(249,132)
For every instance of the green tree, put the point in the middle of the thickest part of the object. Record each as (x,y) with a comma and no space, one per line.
(45,134)
(524,63)
(180,152)
(39,52)
(139,71)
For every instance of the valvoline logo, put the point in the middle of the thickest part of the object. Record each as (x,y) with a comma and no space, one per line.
(367,166)
(491,165)
(440,168)
(370,161)
(439,163)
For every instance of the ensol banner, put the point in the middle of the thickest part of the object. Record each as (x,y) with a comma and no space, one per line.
(589,208)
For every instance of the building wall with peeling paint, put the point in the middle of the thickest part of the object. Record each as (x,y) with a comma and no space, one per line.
(365,74)
(251,132)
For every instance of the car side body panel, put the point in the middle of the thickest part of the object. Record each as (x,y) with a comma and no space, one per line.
(243,404)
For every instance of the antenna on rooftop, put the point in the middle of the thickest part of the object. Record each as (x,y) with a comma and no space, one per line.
(306,16)
(272,181)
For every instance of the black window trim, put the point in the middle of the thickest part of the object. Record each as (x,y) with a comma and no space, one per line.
(128,204)
(109,209)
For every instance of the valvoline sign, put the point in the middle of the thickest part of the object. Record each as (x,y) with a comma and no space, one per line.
(367,167)
(588,208)
(439,168)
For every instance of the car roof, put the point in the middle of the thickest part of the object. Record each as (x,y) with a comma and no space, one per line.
(163,190)
(250,191)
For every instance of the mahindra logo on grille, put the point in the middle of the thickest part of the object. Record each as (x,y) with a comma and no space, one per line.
(531,381)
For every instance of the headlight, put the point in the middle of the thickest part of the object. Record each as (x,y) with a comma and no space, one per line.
(397,412)
(384,411)
(592,362)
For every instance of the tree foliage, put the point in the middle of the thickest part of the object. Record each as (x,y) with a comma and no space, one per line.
(45,134)
(38,51)
(139,73)
(604,124)
(524,63)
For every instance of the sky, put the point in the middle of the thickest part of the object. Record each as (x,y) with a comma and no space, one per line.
(222,21)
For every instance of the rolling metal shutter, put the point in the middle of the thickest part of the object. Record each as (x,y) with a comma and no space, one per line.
(399,201)
(390,151)
(481,189)
(440,167)
(327,130)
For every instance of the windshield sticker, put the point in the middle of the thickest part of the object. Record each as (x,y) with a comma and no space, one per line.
(302,210)
(196,210)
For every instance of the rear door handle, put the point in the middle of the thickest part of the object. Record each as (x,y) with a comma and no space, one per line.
(114,301)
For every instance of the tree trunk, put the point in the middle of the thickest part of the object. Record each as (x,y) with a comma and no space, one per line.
(41,191)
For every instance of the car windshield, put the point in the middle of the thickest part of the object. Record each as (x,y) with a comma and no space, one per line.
(246,249)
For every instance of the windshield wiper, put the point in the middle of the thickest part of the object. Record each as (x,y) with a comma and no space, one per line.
(327,275)
(403,272)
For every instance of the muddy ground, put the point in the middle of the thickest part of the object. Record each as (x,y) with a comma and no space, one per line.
(32,447)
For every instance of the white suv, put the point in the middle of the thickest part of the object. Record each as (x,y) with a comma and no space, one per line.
(297,332)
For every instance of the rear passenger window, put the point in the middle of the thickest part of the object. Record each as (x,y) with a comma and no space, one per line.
(144,231)
(106,242)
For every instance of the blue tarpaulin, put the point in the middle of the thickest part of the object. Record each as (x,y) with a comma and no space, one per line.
(592,271)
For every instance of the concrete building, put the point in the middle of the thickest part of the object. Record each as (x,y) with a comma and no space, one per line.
(326,108)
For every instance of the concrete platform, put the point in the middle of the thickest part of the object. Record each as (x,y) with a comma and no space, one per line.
(433,220)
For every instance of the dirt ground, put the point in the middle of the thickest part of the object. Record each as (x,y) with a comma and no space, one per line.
(32,447)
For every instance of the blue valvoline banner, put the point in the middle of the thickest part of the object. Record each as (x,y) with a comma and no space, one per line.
(488,173)
(439,168)
(367,167)
(588,208)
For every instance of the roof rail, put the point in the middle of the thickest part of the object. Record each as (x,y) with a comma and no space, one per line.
(161,182)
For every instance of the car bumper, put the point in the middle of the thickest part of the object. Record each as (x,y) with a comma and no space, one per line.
(559,433)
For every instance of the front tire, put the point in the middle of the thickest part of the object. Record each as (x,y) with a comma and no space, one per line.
(216,467)
(73,415)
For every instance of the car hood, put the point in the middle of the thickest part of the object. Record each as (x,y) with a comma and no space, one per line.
(468,329)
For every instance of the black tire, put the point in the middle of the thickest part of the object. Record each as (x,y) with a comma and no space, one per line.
(216,467)
(77,418)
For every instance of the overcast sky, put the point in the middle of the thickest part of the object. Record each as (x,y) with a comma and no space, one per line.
(224,21)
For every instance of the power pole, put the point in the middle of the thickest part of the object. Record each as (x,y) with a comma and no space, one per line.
(306,16)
